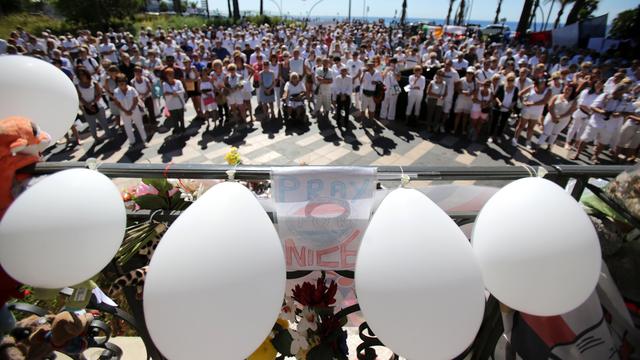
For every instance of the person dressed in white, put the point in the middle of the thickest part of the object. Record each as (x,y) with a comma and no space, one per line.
(92,104)
(343,87)
(609,111)
(355,66)
(392,90)
(561,107)
(534,100)
(130,109)
(143,86)
(293,96)
(417,83)
(324,78)
(370,79)
(450,78)
(583,112)
(467,86)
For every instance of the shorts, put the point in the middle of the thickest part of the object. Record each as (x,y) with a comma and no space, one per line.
(235,98)
(532,112)
(602,135)
(630,135)
(368,103)
(463,105)
(479,115)
(447,104)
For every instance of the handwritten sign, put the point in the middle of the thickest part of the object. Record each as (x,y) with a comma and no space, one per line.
(322,214)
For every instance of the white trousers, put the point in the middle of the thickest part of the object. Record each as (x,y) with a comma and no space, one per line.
(388,109)
(577,128)
(323,100)
(135,118)
(414,100)
(552,130)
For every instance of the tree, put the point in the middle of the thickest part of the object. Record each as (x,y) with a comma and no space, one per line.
(563,4)
(523,24)
(460,14)
(261,7)
(626,25)
(582,10)
(177,6)
(163,7)
(403,16)
(98,13)
(449,12)
(229,5)
(236,10)
(497,18)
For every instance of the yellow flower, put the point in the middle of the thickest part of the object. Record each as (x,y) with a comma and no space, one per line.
(233,157)
(266,351)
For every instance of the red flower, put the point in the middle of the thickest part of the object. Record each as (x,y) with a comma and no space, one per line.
(319,295)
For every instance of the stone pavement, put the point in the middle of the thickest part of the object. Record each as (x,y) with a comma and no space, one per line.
(321,143)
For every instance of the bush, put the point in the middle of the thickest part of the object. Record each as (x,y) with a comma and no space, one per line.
(34,24)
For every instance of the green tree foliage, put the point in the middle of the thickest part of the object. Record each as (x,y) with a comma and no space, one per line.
(163,6)
(627,24)
(98,14)
(582,10)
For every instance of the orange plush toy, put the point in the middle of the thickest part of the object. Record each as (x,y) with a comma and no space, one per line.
(20,145)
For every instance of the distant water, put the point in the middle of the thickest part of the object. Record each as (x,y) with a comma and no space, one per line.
(512,24)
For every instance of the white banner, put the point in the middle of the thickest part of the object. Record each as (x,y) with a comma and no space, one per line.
(322,213)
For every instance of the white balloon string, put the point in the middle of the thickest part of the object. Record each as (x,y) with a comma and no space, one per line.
(154,214)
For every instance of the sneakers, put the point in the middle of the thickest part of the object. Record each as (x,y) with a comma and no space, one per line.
(529,145)
(490,140)
(514,142)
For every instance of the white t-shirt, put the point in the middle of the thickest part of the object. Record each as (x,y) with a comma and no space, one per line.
(175,101)
(127,99)
(113,57)
(450,78)
(354,67)
(369,80)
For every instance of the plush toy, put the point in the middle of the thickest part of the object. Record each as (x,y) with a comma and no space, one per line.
(37,337)
(20,145)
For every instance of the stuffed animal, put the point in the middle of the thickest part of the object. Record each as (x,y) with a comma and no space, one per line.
(37,337)
(20,144)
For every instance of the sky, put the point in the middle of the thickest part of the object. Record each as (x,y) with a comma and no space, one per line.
(481,9)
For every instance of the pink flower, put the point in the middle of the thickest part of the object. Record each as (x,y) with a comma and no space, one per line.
(144,189)
(173,191)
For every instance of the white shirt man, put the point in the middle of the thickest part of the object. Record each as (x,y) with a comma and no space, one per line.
(417,83)
(108,51)
(484,73)
(450,78)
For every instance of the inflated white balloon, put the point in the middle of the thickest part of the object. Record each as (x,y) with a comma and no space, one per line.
(63,230)
(215,284)
(538,251)
(39,91)
(418,284)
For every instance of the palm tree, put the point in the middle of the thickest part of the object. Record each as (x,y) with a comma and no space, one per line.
(229,5)
(546,21)
(523,24)
(177,6)
(403,16)
(449,12)
(581,10)
(563,3)
(236,10)
(460,15)
(497,18)
(261,7)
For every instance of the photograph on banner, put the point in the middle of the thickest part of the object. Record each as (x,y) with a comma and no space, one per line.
(322,214)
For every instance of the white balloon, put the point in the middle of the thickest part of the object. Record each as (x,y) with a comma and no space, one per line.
(215,284)
(63,230)
(538,251)
(418,284)
(39,91)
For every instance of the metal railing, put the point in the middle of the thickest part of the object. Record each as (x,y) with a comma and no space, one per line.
(560,174)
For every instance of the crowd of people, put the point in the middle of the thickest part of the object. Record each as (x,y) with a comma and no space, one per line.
(458,84)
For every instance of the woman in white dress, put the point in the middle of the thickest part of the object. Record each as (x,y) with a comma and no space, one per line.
(466,88)
(234,83)
(130,109)
(583,112)
(534,98)
(560,109)
(392,90)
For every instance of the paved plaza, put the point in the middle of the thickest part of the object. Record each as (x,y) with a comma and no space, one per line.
(274,142)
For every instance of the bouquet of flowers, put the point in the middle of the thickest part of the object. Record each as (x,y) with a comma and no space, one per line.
(309,327)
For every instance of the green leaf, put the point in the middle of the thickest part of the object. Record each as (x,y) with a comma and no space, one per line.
(162,185)
(282,342)
(151,202)
(320,352)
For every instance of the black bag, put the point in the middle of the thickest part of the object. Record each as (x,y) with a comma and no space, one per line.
(91,110)
(256,84)
(485,110)
(368,93)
